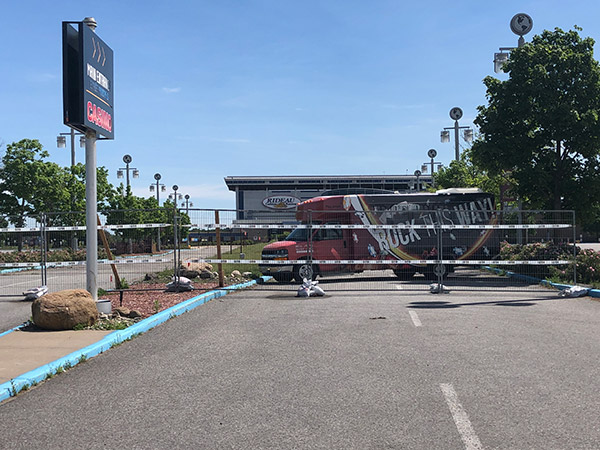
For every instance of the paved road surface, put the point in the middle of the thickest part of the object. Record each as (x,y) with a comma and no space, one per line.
(262,369)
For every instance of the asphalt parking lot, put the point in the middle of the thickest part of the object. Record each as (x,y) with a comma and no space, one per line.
(259,369)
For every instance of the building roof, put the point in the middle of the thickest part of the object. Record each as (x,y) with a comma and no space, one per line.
(320,181)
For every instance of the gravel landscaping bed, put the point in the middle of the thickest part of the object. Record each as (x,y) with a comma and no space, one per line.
(152,298)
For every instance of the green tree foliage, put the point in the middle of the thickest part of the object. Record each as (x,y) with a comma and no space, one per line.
(27,181)
(31,185)
(126,208)
(463,173)
(543,124)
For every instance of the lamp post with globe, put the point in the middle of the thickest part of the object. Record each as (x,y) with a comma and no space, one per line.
(159,187)
(455,114)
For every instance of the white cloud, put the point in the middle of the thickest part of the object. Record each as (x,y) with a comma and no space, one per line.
(169,90)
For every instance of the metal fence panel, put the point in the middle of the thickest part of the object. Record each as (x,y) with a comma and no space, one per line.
(21,255)
(401,248)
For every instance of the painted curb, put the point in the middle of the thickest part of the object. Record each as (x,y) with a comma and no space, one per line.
(35,376)
(591,293)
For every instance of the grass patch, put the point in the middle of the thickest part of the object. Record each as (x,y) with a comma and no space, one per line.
(253,251)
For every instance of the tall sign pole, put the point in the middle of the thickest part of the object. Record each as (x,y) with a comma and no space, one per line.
(91,211)
(88,107)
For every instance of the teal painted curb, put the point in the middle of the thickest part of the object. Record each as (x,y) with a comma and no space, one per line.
(11,330)
(591,293)
(16,385)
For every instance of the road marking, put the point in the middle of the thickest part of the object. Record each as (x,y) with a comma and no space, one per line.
(463,424)
(415,318)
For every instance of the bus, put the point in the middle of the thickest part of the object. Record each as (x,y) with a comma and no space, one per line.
(356,232)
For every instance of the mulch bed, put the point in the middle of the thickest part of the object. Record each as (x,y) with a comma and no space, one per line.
(149,302)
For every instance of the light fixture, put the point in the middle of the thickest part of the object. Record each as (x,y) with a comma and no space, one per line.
(151,188)
(119,173)
(136,173)
(445,136)
(61,141)
(468,135)
(81,141)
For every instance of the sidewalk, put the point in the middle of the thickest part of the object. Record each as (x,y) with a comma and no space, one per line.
(22,351)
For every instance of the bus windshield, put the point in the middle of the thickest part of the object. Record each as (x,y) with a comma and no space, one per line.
(298,235)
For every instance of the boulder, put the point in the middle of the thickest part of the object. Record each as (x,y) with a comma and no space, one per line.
(197,267)
(64,310)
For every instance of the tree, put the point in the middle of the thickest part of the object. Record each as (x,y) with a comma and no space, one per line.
(26,180)
(463,173)
(543,124)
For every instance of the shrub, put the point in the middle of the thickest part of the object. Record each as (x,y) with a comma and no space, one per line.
(538,251)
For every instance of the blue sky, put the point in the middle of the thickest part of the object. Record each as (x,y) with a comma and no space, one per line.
(208,89)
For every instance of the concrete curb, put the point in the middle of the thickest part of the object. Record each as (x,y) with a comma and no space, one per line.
(591,293)
(17,384)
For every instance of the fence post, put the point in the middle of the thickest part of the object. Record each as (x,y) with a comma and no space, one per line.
(43,249)
(574,248)
(440,242)
(309,242)
(106,245)
(175,248)
(218,237)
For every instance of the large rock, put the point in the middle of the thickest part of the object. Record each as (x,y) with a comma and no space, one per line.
(193,270)
(64,309)
(198,267)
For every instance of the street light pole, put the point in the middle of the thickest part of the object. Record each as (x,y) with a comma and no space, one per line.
(187,204)
(159,186)
(127,160)
(455,114)
(418,175)
(432,153)
(61,143)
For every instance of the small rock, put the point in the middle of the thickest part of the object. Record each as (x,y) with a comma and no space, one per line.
(122,311)
(188,273)
(134,314)
(205,274)
(236,274)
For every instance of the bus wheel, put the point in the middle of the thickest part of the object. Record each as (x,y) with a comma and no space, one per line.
(434,271)
(405,274)
(305,270)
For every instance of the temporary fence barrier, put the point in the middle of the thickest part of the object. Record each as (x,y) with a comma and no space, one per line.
(347,250)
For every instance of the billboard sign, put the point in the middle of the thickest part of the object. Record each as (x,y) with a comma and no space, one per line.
(88,91)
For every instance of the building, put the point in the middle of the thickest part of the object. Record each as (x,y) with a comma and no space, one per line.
(274,199)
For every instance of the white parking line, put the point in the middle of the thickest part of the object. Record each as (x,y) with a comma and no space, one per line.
(463,424)
(415,318)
